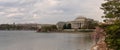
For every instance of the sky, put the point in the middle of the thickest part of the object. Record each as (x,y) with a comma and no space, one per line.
(48,11)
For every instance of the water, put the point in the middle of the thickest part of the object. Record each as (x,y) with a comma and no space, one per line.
(30,40)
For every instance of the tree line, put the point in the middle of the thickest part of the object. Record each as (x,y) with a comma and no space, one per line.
(16,27)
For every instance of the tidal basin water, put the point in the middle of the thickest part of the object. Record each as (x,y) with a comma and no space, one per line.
(30,40)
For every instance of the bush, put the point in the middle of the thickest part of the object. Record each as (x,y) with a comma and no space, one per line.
(112,35)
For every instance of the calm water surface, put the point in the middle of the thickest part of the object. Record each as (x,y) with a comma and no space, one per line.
(30,40)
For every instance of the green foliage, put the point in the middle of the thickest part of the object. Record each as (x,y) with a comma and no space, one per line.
(64,26)
(113,36)
(67,26)
(49,28)
(16,27)
(7,27)
(92,25)
(112,10)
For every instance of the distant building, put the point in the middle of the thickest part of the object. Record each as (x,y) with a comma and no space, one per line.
(79,23)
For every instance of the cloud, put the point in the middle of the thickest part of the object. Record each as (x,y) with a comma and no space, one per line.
(48,11)
(14,15)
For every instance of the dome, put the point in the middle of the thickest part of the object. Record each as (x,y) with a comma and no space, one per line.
(81,17)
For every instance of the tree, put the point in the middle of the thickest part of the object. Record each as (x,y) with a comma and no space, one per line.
(69,26)
(65,26)
(53,28)
(92,25)
(112,11)
(48,28)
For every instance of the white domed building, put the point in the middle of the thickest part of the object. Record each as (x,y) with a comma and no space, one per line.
(80,22)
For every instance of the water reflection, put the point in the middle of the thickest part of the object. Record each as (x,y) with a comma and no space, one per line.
(29,40)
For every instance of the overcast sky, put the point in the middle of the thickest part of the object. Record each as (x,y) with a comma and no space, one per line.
(48,11)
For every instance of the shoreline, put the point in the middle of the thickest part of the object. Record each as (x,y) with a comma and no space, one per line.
(75,32)
(64,32)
